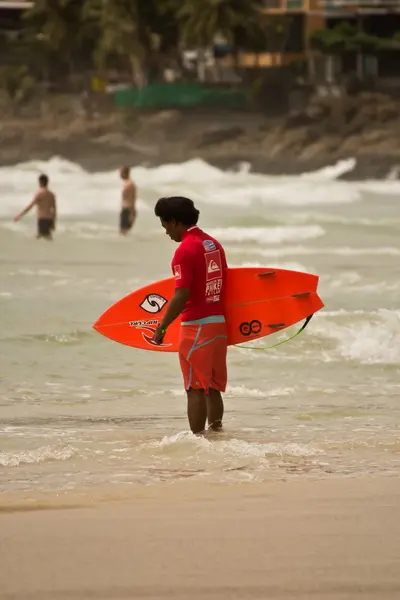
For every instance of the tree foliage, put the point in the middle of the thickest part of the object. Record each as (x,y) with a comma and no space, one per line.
(136,35)
(142,37)
(200,22)
(346,38)
(56,27)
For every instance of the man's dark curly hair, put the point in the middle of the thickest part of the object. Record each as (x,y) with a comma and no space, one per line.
(177,208)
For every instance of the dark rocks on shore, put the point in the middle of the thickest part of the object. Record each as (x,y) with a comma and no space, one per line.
(366,128)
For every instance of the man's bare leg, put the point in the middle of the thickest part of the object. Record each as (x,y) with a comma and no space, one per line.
(196,410)
(215,409)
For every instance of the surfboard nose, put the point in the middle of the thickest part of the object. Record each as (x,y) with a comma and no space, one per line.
(99,325)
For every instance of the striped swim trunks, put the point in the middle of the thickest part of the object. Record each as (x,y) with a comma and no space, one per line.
(202,353)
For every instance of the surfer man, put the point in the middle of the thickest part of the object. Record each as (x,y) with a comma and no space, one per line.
(46,211)
(128,208)
(199,266)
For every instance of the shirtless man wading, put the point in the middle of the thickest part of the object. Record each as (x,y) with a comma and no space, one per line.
(128,207)
(46,212)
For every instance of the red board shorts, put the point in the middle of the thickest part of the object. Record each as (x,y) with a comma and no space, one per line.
(203,347)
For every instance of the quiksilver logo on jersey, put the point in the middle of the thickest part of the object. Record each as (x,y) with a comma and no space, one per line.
(212,267)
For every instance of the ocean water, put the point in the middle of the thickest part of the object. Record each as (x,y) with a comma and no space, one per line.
(79,411)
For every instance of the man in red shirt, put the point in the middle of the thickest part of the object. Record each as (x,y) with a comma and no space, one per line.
(199,266)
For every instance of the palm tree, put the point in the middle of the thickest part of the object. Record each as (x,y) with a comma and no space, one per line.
(56,26)
(201,22)
(136,34)
(121,35)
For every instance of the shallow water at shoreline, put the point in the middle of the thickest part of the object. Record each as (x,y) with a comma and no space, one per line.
(79,411)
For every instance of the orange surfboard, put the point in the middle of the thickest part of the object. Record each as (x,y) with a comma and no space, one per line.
(259,301)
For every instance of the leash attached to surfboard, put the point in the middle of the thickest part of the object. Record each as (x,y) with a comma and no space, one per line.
(302,328)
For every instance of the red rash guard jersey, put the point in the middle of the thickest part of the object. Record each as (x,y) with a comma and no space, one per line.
(199,264)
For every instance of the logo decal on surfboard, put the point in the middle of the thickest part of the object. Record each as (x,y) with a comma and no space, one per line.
(153,303)
(142,323)
(254,327)
(151,327)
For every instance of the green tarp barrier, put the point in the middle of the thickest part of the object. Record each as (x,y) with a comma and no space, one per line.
(175,95)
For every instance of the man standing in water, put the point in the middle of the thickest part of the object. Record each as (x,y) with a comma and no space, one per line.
(128,208)
(46,212)
(199,266)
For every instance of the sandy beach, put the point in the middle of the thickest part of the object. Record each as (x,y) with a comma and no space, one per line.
(326,539)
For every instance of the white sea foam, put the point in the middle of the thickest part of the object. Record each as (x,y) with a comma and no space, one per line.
(39,455)
(345,313)
(304,192)
(320,216)
(382,188)
(317,250)
(267,235)
(332,172)
(192,171)
(242,392)
(290,266)
(374,339)
(233,448)
(82,193)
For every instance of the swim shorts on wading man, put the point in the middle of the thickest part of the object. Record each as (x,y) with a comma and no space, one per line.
(127,215)
(199,266)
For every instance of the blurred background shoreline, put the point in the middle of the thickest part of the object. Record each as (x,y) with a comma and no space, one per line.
(285,86)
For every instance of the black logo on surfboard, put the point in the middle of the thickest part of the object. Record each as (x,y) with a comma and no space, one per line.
(254,327)
(153,303)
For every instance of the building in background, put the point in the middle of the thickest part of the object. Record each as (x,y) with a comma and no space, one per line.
(291,23)
(10,16)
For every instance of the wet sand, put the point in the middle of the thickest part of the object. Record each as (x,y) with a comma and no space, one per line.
(326,539)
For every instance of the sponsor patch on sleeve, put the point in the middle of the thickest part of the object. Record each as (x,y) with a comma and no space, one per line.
(209,246)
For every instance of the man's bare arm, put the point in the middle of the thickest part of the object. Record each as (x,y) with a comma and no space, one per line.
(175,307)
(54,213)
(26,209)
